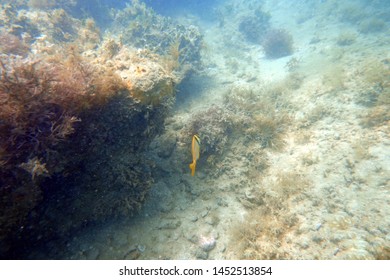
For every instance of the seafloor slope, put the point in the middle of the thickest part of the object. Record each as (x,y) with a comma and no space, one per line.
(295,157)
(295,151)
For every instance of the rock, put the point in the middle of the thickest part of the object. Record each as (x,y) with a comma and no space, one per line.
(202,255)
(141,248)
(194,219)
(169,225)
(167,144)
(160,199)
(92,253)
(119,239)
(206,243)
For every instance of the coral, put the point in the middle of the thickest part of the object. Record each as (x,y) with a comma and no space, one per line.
(277,43)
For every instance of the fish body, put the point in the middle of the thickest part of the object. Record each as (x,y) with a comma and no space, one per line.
(195,150)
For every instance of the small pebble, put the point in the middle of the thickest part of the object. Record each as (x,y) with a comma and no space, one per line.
(336,251)
(194,219)
(141,248)
(207,243)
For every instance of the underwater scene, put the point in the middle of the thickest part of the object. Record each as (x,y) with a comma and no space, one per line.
(179,129)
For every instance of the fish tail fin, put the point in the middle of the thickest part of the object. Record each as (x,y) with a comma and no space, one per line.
(192,167)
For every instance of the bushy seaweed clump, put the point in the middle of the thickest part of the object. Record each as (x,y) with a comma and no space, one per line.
(255,27)
(213,126)
(372,25)
(11,44)
(75,119)
(257,118)
(40,104)
(346,38)
(268,223)
(377,95)
(41,100)
(351,13)
(14,21)
(278,43)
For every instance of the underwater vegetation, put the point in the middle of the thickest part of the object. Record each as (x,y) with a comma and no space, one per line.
(268,226)
(11,44)
(51,4)
(373,25)
(254,117)
(377,95)
(258,29)
(77,114)
(214,126)
(15,22)
(140,26)
(351,13)
(254,28)
(346,38)
(257,117)
(41,104)
(277,43)
(42,100)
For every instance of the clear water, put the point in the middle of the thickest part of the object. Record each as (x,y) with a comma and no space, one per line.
(290,100)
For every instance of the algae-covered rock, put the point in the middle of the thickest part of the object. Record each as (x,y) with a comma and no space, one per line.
(147,80)
(74,131)
(142,28)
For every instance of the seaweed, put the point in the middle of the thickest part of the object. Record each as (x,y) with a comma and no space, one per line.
(352,13)
(41,104)
(41,4)
(213,126)
(376,73)
(263,122)
(346,38)
(11,44)
(373,25)
(277,43)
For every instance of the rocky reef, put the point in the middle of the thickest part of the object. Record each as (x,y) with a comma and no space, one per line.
(141,27)
(77,113)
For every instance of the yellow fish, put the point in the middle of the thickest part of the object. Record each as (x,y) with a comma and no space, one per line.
(195,150)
